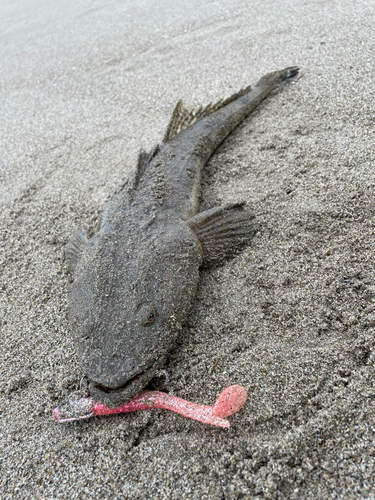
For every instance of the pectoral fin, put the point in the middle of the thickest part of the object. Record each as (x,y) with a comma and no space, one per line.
(74,248)
(223,231)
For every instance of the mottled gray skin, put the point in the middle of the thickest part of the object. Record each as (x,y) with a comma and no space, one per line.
(135,279)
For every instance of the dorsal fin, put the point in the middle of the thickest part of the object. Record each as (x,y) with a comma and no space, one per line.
(141,165)
(182,118)
(75,247)
(144,159)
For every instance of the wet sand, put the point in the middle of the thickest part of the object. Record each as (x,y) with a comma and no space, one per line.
(84,86)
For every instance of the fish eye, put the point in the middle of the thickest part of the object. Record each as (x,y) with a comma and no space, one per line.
(147,315)
(151,318)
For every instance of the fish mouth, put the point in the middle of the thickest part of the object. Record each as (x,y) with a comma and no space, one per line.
(121,387)
(115,396)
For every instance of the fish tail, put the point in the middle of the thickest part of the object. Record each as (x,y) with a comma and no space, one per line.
(275,78)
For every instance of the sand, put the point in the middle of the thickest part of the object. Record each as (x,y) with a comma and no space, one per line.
(84,85)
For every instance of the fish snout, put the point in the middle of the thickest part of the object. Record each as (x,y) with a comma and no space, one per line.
(114,390)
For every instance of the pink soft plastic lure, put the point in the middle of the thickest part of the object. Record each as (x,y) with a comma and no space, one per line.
(229,402)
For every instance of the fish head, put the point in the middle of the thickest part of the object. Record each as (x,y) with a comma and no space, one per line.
(130,294)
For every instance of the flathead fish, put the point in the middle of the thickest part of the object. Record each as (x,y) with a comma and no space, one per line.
(135,279)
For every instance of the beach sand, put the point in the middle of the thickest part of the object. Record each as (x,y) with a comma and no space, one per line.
(84,86)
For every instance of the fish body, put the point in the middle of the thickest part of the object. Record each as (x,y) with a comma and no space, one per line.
(135,279)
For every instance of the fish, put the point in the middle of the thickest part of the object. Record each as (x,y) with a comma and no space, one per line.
(135,279)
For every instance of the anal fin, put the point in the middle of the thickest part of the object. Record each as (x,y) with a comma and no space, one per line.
(223,231)
(74,248)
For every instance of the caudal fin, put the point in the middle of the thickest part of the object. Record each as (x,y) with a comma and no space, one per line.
(275,78)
